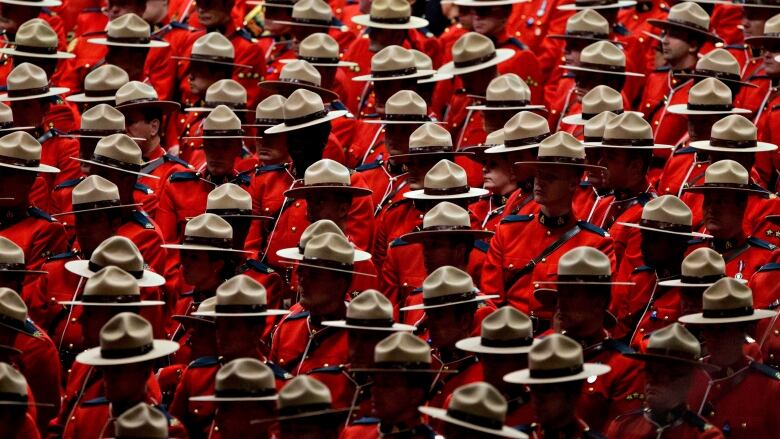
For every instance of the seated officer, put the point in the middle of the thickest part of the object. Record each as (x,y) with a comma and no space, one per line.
(17,418)
(306,411)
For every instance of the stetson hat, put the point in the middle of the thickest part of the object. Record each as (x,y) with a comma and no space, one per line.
(629,131)
(312,13)
(666,214)
(327,175)
(299,74)
(112,287)
(593,132)
(445,181)
(19,150)
(403,108)
(734,133)
(709,96)
(128,30)
(446,219)
(222,123)
(700,269)
(727,301)
(269,112)
(33,3)
(230,200)
(505,331)
(585,25)
(121,252)
(36,39)
(304,109)
(496,138)
(7,120)
(241,296)
(137,94)
(212,48)
(600,98)
(401,352)
(209,305)
(473,52)
(320,50)
(101,85)
(242,380)
(126,339)
(12,258)
(314,229)
(674,344)
(303,398)
(424,62)
(561,149)
(476,406)
(120,152)
(390,14)
(141,421)
(207,232)
(393,63)
(227,92)
(771,34)
(525,130)
(28,81)
(13,388)
(507,92)
(100,121)
(556,358)
(726,175)
(369,311)
(13,312)
(602,57)
(719,64)
(579,5)
(330,251)
(689,17)
(448,286)
(430,140)
(95,193)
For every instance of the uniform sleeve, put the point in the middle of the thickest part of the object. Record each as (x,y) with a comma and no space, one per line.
(493,268)
(166,217)
(50,240)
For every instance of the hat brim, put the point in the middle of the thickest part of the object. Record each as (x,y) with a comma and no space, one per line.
(321,267)
(161,348)
(474,344)
(668,358)
(55,215)
(82,98)
(589,370)
(57,55)
(219,137)
(699,319)
(208,248)
(210,109)
(81,268)
(266,313)
(75,135)
(294,254)
(761,40)
(653,229)
(724,80)
(436,77)
(422,306)
(284,128)
(576,119)
(421,195)
(420,236)
(142,303)
(603,145)
(215,398)
(26,403)
(303,191)
(663,24)
(398,370)
(606,72)
(209,61)
(321,64)
(413,23)
(517,108)
(34,4)
(716,189)
(152,44)
(53,91)
(705,145)
(103,165)
(185,320)
(678,283)
(619,5)
(397,327)
(401,122)
(372,78)
(46,169)
(682,109)
(502,149)
(501,56)
(535,164)
(441,414)
(285,88)
(38,272)
(164,106)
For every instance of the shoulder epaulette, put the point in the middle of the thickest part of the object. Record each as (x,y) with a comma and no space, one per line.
(259,266)
(644,198)
(662,69)
(269,168)
(296,316)
(68,183)
(592,434)
(695,420)
(517,218)
(367,166)
(617,346)
(96,9)
(203,362)
(38,213)
(32,330)
(143,188)
(180,25)
(769,371)
(397,242)
(48,11)
(481,245)
(642,268)
(415,291)
(183,176)
(735,46)
(365,420)
(142,220)
(245,34)
(243,178)
(101,400)
(330,369)
(684,150)
(592,228)
(338,106)
(585,183)
(517,43)
(279,373)
(695,241)
(66,255)
(525,428)
(172,158)
(621,30)
(761,243)
(771,266)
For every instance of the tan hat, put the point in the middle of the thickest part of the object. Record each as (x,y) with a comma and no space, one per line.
(719,64)
(7,120)
(312,13)
(370,311)
(209,305)
(448,286)
(13,311)
(525,130)
(221,123)
(242,380)
(584,266)
(727,301)
(446,219)
(478,407)
(602,57)
(19,150)
(230,200)
(28,81)
(674,344)
(304,109)
(316,228)
(734,133)
(129,30)
(299,74)
(126,339)
(12,258)
(600,98)
(330,251)
(120,152)
(667,214)
(212,48)
(227,92)
(112,287)
(393,63)
(726,175)
(141,421)
(136,94)
(430,140)
(561,149)
(327,175)
(593,131)
(580,5)
(269,112)
(587,25)
(320,50)
(496,138)
(121,252)
(424,62)
(556,358)
(241,296)
(401,352)
(507,92)
(505,331)
(709,96)
(207,232)
(35,38)
(771,33)
(473,52)
(95,193)
(445,181)
(689,17)
(303,398)
(701,268)
(390,14)
(100,121)
(101,85)
(403,108)
(13,387)
(629,131)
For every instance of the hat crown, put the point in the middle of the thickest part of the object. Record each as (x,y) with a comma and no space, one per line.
(726,172)
(229,196)
(402,347)
(472,46)
(103,117)
(495,138)
(36,33)
(27,76)
(628,126)
(226,91)
(392,58)
(596,125)
(584,261)
(479,399)
(330,247)
(421,60)
(446,214)
(135,91)
(10,252)
(675,340)
(301,71)
(508,87)
(710,91)
(12,382)
(391,9)
(302,103)
(304,391)
(445,175)
(668,209)
(94,189)
(555,352)
(6,115)
(126,330)
(319,45)
(142,421)
(111,281)
(525,125)
(129,26)
(603,53)
(20,145)
(209,305)
(222,118)
(447,281)
(406,102)
(118,251)
(12,305)
(734,127)
(587,21)
(562,144)
(719,60)
(430,135)
(244,375)
(689,13)
(215,45)
(370,305)
(271,108)
(326,172)
(317,228)
(727,293)
(602,98)
(703,262)
(208,225)
(105,78)
(772,26)
(312,10)
(119,147)
(507,323)
(241,290)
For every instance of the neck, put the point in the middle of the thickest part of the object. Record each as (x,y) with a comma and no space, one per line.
(667,416)
(562,427)
(219,27)
(148,146)
(589,337)
(557,209)
(687,62)
(726,240)
(119,407)
(633,189)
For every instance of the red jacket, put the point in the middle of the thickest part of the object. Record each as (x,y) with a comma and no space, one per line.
(368,428)
(661,90)
(638,425)
(38,234)
(38,363)
(609,212)
(161,164)
(469,370)
(93,419)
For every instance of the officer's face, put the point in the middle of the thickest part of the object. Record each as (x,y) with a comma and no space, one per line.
(418,167)
(322,290)
(93,318)
(123,383)
(489,20)
(12,16)
(213,13)
(753,20)
(621,169)
(200,77)
(666,384)
(236,337)
(494,120)
(446,326)
(444,250)
(29,113)
(92,228)
(579,311)
(15,186)
(397,137)
(700,126)
(14,281)
(498,174)
(118,8)
(138,126)
(495,366)
(361,346)
(155,10)
(272,148)
(723,213)
(381,38)
(452,431)
(466,17)
(233,418)
(554,185)
(724,342)
(392,395)
(662,249)
(676,46)
(554,402)
(593,157)
(571,52)
(328,205)
(771,66)
(690,300)
(221,155)
(272,14)
(197,268)
(86,151)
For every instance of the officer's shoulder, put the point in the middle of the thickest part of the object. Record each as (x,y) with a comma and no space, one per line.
(336,369)
(760,243)
(60,256)
(38,213)
(767,371)
(584,225)
(644,198)
(642,269)
(684,150)
(279,372)
(621,30)
(366,420)
(180,25)
(771,266)
(517,43)
(201,362)
(662,69)
(623,416)
(517,218)
(142,219)
(243,178)
(68,183)
(398,242)
(481,245)
(297,316)
(269,168)
(178,177)
(245,34)
(143,188)
(696,241)
(617,346)
(585,184)
(100,400)
(415,291)
(256,265)
(368,166)
(697,421)
(172,158)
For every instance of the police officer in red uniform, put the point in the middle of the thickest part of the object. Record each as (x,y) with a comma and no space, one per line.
(18,410)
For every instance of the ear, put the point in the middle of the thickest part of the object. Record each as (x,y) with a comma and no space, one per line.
(154,126)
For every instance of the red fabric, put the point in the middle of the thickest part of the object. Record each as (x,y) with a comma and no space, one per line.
(469,370)
(95,421)
(637,426)
(38,237)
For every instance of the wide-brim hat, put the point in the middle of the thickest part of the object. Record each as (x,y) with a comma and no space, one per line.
(664,24)
(542,162)
(474,344)
(296,254)
(413,23)
(443,415)
(82,268)
(521,107)
(284,88)
(601,144)
(339,63)
(761,40)
(259,313)
(328,267)
(201,247)
(655,229)
(597,6)
(332,25)
(421,195)
(477,297)
(588,370)
(164,106)
(436,77)
(50,91)
(577,119)
(140,303)
(327,117)
(215,398)
(486,3)
(501,55)
(383,121)
(152,43)
(416,73)
(603,71)
(343,324)
(160,348)
(40,167)
(22,270)
(211,60)
(700,319)
(34,4)
(716,187)
(433,153)
(82,98)
(720,77)
(422,235)
(13,51)
(340,414)
(96,209)
(705,145)
(680,283)
(106,165)
(683,109)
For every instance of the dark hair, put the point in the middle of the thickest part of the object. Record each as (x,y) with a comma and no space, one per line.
(151,114)
(231,262)
(646,156)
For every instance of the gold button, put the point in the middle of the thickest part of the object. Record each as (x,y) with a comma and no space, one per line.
(544,259)
(511,265)
(293,228)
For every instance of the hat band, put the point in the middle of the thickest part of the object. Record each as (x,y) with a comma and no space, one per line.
(243,393)
(138,101)
(737,144)
(556,373)
(13,397)
(717,74)
(446,191)
(93,267)
(428,149)
(510,343)
(126,352)
(307,118)
(445,228)
(688,24)
(326,184)
(299,81)
(592,138)
(591,3)
(98,132)
(321,22)
(229,104)
(449,298)
(525,141)
(584,278)
(507,103)
(8,124)
(377,323)
(114,163)
(212,58)
(128,40)
(589,116)
(304,408)
(320,59)
(403,365)
(28,92)
(95,205)
(673,353)
(709,279)
(230,212)
(709,107)
(239,309)
(107,298)
(407,117)
(19,162)
(661,225)
(12,322)
(560,160)
(324,263)
(726,313)
(605,67)
(213,242)
(223,133)
(9,266)
(390,20)
(36,49)
(393,73)
(475,61)
(725,185)
(586,34)
(482,421)
(628,142)
(267,121)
